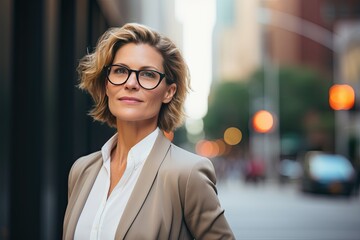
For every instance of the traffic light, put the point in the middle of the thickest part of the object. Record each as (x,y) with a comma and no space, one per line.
(263,121)
(341,97)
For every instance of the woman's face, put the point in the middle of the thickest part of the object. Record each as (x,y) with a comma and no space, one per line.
(130,102)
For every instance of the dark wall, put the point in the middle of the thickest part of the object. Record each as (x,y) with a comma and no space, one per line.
(44,125)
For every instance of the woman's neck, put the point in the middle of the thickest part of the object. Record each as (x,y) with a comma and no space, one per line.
(129,134)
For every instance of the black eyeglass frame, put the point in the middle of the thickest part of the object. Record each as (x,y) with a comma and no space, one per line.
(137,72)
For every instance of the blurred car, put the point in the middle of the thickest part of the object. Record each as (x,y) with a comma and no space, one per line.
(327,173)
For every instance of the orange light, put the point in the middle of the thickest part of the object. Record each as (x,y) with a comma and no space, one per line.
(222,146)
(207,148)
(232,136)
(169,135)
(341,97)
(263,121)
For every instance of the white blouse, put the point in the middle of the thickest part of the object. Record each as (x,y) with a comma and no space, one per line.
(101,215)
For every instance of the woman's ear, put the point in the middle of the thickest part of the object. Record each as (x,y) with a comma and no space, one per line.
(170,92)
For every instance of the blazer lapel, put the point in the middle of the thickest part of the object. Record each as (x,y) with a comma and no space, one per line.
(143,185)
(77,203)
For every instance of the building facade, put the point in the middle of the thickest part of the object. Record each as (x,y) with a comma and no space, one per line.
(44,124)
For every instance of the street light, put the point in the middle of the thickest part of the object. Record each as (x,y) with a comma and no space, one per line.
(263,121)
(341,97)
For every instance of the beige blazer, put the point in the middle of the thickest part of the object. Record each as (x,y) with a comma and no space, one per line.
(174,198)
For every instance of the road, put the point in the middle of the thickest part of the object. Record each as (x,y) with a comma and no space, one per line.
(269,211)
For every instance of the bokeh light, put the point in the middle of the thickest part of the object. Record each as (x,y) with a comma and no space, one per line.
(207,148)
(169,135)
(223,148)
(194,126)
(263,121)
(232,136)
(341,97)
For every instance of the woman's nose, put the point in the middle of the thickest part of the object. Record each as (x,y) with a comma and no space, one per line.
(132,82)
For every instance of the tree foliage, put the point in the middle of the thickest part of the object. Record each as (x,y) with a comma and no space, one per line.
(228,107)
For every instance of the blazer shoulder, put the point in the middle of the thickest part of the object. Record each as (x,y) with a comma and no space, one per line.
(183,156)
(81,165)
(84,162)
(182,163)
(87,160)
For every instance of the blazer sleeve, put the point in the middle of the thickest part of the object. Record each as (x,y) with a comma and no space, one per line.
(203,214)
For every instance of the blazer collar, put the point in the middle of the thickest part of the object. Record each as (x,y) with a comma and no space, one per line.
(143,185)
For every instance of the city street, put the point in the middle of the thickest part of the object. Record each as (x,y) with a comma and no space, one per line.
(269,211)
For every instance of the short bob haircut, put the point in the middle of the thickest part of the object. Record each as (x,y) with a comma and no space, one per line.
(92,73)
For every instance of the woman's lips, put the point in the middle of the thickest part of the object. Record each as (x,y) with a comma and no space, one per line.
(130,100)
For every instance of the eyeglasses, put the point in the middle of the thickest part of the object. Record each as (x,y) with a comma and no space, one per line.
(147,79)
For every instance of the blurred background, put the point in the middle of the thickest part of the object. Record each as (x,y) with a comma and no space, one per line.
(274,105)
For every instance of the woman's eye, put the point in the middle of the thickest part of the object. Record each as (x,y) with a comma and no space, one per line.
(120,70)
(148,74)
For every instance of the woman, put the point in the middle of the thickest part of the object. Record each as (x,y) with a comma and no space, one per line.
(140,185)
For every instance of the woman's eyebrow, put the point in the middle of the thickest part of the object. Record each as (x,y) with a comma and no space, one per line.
(146,67)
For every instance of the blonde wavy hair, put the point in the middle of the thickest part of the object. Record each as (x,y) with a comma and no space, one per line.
(92,74)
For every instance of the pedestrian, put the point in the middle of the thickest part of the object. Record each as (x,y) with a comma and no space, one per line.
(140,185)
